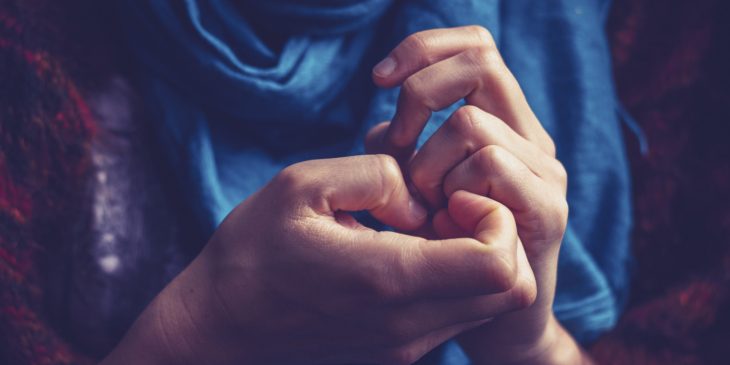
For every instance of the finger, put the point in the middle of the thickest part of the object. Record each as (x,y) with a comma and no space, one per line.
(466,131)
(452,268)
(424,325)
(426,316)
(375,143)
(480,76)
(445,227)
(485,218)
(495,172)
(425,48)
(372,182)
(540,211)
(415,268)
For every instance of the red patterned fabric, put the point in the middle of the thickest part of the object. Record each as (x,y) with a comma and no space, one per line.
(45,127)
(672,62)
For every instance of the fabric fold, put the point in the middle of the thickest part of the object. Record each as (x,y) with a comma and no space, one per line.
(233,107)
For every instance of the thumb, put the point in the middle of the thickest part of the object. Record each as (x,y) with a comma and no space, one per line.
(485,219)
(370,182)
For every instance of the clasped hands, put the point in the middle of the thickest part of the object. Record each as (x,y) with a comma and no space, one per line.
(291,277)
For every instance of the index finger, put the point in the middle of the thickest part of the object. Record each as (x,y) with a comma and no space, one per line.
(425,48)
(476,73)
(356,183)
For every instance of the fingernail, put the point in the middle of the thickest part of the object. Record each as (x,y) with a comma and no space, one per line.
(417,210)
(385,67)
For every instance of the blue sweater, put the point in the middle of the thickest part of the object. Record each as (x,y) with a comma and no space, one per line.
(234,107)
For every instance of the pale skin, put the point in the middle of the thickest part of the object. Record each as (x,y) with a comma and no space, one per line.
(290,277)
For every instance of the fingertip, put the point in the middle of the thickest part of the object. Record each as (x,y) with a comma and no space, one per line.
(467,209)
(375,138)
(383,82)
(486,219)
(459,199)
(397,135)
(384,70)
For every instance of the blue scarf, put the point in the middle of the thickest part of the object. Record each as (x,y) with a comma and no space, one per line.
(232,107)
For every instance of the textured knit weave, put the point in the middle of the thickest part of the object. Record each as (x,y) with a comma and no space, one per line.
(44,133)
(671,59)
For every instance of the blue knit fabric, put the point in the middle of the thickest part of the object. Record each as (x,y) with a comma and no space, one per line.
(232,107)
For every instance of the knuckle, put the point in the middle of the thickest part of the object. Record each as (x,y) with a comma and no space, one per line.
(560,173)
(524,294)
(483,34)
(504,271)
(467,121)
(485,55)
(549,146)
(409,88)
(491,159)
(418,175)
(507,213)
(426,181)
(412,89)
(390,178)
(298,185)
(487,59)
(554,218)
(418,44)
(564,211)
(292,178)
(559,215)
(388,169)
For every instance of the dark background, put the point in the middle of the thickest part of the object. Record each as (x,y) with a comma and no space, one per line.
(671,60)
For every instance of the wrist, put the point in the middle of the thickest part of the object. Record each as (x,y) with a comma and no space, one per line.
(144,343)
(167,331)
(552,346)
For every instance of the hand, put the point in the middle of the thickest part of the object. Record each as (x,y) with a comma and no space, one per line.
(291,277)
(494,146)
